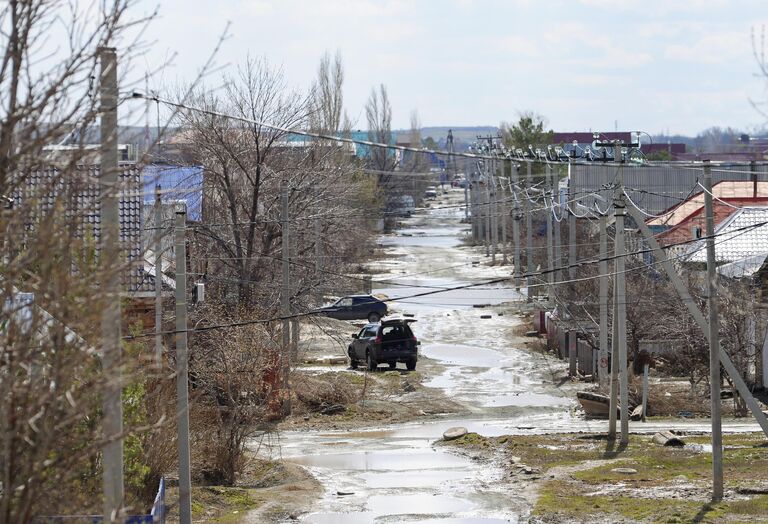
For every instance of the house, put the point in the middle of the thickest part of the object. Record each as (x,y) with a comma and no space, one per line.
(741,253)
(44,186)
(694,225)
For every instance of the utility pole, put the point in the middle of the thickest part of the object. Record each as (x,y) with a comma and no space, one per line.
(158,278)
(473,181)
(603,353)
(516,224)
(182,367)
(285,295)
(714,341)
(529,230)
(112,404)
(466,198)
(491,191)
(487,211)
(550,238)
(558,235)
(621,295)
(613,404)
(503,213)
(571,227)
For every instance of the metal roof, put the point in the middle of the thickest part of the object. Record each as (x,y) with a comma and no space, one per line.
(733,242)
(43,187)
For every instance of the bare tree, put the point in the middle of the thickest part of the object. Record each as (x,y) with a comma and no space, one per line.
(327,115)
(50,377)
(378,113)
(418,162)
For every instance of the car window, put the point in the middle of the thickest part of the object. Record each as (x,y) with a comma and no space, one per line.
(361,334)
(370,332)
(362,300)
(345,302)
(394,332)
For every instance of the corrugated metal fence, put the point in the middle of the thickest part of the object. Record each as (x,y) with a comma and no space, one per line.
(653,188)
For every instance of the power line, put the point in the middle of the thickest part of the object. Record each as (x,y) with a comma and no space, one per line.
(499,280)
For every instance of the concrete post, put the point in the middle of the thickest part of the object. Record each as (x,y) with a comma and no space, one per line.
(112,421)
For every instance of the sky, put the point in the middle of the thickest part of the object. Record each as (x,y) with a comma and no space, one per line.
(676,66)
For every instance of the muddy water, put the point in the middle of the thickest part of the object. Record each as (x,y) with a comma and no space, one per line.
(395,474)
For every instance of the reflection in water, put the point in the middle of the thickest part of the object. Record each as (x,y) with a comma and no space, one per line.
(404,460)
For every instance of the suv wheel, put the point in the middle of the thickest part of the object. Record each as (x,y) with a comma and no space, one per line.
(411,364)
(373,317)
(372,364)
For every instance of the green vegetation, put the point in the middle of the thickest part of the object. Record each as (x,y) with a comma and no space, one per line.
(584,487)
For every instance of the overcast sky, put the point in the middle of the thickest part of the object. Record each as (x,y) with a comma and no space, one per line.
(651,65)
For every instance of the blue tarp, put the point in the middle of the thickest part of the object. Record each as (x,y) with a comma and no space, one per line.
(176,183)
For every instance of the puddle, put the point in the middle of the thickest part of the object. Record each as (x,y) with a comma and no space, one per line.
(415,479)
(527,399)
(464,355)
(381,461)
(418,504)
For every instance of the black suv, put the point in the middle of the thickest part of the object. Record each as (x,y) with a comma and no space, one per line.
(356,307)
(389,341)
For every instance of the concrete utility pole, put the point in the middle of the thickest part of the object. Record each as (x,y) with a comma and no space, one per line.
(112,405)
(621,296)
(285,295)
(571,226)
(714,341)
(490,211)
(494,211)
(182,367)
(474,182)
(603,353)
(158,278)
(516,224)
(494,208)
(613,405)
(550,238)
(529,230)
(558,235)
(487,210)
(503,212)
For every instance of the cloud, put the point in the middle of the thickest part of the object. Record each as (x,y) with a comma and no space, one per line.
(711,48)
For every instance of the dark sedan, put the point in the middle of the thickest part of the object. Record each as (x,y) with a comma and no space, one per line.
(356,307)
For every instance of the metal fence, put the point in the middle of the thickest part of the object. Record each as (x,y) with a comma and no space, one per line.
(155,516)
(653,188)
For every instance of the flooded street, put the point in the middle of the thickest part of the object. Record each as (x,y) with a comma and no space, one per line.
(394,474)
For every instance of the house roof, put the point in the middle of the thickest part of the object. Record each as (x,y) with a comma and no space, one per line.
(743,235)
(745,267)
(724,189)
(723,208)
(43,186)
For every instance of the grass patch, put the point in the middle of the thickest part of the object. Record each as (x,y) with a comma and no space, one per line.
(565,499)
(646,496)
(218,504)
